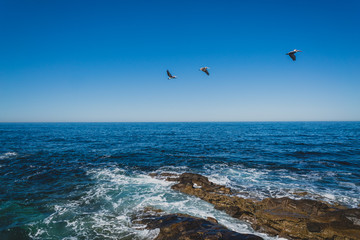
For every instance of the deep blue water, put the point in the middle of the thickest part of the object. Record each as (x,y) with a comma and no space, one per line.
(87,180)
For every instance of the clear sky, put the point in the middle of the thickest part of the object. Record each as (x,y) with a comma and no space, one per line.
(106,60)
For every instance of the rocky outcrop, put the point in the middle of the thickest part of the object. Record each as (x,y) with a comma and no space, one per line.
(185,227)
(285,217)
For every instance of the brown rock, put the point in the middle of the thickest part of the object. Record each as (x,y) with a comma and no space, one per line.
(166,174)
(150,209)
(172,179)
(300,193)
(185,227)
(211,219)
(294,219)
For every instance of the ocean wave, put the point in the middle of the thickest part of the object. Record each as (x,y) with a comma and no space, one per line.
(8,155)
(260,183)
(107,209)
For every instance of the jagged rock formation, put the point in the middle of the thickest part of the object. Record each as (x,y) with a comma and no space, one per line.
(185,227)
(289,218)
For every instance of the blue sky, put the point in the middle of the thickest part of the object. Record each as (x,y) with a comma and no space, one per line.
(106,60)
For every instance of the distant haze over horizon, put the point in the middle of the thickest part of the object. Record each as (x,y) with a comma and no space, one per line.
(66,61)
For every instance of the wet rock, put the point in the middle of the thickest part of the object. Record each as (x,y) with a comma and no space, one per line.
(185,227)
(314,227)
(150,209)
(301,193)
(166,174)
(197,181)
(153,174)
(172,179)
(294,219)
(211,219)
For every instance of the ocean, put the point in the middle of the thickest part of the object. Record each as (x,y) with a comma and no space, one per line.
(88,180)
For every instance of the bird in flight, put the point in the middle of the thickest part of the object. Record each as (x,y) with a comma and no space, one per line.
(292,54)
(205,70)
(169,74)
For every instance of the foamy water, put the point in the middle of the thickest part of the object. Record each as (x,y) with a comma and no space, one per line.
(263,183)
(7,155)
(89,180)
(107,210)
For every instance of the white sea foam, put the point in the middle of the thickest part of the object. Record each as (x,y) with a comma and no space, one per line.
(263,183)
(107,209)
(8,155)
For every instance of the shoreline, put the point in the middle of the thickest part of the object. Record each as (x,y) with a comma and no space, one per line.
(283,217)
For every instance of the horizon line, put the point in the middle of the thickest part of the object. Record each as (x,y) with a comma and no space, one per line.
(182,121)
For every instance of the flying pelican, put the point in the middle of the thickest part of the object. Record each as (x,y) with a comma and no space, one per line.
(205,70)
(169,74)
(292,54)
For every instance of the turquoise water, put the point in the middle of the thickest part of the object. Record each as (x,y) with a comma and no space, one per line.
(88,180)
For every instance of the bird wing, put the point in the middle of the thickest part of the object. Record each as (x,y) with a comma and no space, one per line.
(293,57)
(168,73)
(204,70)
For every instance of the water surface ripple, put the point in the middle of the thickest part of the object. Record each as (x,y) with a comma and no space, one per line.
(87,180)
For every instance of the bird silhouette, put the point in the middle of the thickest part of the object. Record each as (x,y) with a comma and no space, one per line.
(292,54)
(205,70)
(169,74)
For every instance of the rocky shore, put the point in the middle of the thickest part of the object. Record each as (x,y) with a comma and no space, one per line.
(284,217)
(186,227)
